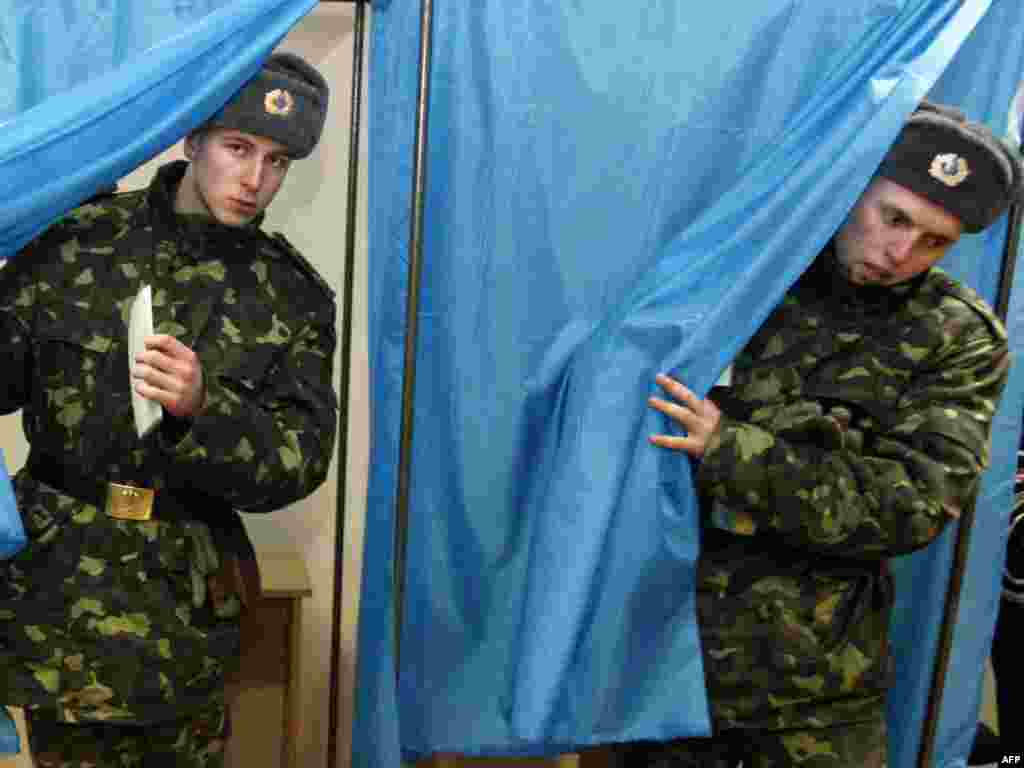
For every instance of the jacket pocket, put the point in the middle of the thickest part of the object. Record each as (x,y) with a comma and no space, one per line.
(72,366)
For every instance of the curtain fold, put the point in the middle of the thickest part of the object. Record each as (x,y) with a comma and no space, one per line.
(91,90)
(609,195)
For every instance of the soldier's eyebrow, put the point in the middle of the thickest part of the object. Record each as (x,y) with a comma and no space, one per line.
(903,216)
(239,138)
(898,212)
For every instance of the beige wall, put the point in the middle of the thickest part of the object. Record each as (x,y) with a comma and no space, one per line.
(310,211)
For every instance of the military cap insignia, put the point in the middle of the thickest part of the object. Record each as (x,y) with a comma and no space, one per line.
(950,169)
(279,102)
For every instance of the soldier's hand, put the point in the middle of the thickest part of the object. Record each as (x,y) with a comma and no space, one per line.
(699,417)
(170,373)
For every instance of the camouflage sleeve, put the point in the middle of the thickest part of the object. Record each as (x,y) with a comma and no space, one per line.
(883,489)
(15,300)
(261,448)
(18,289)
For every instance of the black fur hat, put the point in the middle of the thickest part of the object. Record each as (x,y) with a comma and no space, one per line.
(285,101)
(955,163)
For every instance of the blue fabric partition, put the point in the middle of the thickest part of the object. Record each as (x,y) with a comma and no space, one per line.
(12,538)
(10,744)
(611,193)
(982,79)
(90,90)
(12,531)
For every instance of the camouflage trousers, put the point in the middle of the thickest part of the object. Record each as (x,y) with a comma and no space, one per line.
(196,741)
(862,745)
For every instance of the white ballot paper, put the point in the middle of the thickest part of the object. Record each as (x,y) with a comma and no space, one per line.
(140,325)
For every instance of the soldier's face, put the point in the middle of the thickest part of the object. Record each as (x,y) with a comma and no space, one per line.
(233,175)
(893,235)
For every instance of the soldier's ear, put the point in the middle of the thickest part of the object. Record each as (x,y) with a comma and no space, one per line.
(192,142)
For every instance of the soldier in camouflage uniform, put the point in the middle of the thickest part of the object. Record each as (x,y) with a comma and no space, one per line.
(855,428)
(117,624)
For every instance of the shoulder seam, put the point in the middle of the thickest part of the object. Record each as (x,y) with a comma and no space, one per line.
(953,288)
(305,266)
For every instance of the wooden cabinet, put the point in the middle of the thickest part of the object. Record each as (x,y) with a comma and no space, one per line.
(265,720)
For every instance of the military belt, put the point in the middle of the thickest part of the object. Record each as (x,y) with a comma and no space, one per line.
(239,572)
(122,501)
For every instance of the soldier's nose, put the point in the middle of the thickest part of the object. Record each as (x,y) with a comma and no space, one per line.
(252,174)
(899,250)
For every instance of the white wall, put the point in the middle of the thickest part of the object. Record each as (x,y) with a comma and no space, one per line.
(310,210)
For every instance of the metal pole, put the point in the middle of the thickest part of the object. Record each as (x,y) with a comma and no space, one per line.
(348,281)
(1016,218)
(963,535)
(412,327)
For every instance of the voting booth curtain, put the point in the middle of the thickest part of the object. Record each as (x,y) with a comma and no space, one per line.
(611,192)
(12,539)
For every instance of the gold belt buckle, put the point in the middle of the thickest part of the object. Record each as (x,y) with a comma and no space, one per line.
(128,502)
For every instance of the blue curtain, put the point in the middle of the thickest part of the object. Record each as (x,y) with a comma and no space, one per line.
(12,532)
(12,538)
(91,89)
(611,193)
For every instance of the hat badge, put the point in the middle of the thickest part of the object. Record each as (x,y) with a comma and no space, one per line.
(950,169)
(278,102)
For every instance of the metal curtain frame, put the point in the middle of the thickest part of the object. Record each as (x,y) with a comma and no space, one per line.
(344,384)
(409,369)
(419,181)
(412,316)
(400,540)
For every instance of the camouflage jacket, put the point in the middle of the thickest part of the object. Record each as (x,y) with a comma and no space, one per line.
(97,616)
(856,427)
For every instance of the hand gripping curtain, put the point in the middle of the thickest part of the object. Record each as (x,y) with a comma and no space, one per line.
(90,90)
(611,192)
